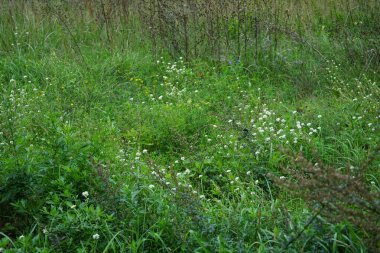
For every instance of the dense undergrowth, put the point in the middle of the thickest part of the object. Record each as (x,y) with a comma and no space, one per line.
(118,148)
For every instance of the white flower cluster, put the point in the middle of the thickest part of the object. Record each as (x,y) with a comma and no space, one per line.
(266,130)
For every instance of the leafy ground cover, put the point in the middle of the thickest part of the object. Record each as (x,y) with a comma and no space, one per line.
(124,150)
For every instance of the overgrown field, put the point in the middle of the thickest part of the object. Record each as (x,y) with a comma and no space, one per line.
(189,126)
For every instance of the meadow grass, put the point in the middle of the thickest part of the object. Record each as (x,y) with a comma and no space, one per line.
(110,143)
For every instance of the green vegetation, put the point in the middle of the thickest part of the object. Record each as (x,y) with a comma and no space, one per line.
(117,134)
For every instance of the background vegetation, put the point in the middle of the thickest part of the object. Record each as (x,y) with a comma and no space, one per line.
(194,126)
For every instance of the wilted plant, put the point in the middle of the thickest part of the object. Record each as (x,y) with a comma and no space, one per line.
(338,195)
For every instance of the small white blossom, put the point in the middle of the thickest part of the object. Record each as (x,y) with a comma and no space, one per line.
(85,194)
(96,236)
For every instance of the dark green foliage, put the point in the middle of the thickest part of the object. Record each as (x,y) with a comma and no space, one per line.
(129,128)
